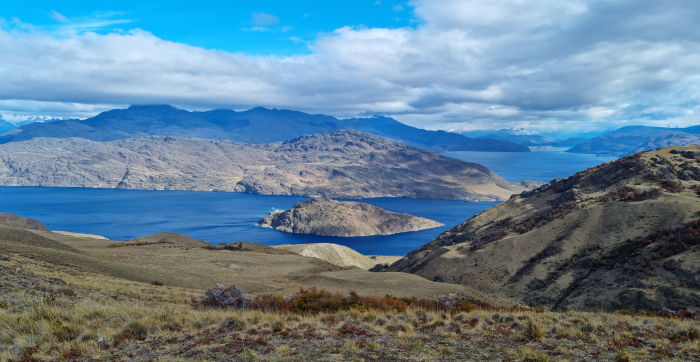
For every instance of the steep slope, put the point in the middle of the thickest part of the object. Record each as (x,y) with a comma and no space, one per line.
(257,125)
(339,164)
(321,216)
(611,237)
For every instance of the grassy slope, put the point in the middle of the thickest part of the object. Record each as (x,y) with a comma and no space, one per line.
(50,312)
(552,265)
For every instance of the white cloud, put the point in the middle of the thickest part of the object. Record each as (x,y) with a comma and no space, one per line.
(257,28)
(262,19)
(506,63)
(58,16)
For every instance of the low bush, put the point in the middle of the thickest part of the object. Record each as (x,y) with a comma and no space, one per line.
(315,301)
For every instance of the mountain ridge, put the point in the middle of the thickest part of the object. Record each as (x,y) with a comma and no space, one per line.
(257,125)
(339,164)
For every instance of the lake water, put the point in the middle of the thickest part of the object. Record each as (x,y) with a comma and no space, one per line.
(229,217)
(542,164)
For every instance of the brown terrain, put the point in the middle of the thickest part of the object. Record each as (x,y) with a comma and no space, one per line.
(622,235)
(180,261)
(339,164)
(339,255)
(321,216)
(142,300)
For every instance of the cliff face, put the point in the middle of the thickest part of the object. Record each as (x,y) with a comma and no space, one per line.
(622,235)
(339,164)
(328,217)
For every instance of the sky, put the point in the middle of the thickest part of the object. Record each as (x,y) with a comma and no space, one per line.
(544,65)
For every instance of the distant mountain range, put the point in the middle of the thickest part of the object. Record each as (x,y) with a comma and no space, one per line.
(522,137)
(633,139)
(257,125)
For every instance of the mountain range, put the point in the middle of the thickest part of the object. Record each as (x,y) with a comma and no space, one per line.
(633,139)
(521,136)
(257,125)
(337,164)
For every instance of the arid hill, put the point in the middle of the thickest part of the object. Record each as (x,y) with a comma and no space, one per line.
(337,255)
(340,164)
(321,216)
(622,235)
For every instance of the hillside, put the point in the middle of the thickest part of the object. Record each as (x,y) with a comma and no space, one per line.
(339,164)
(623,235)
(321,216)
(258,125)
(160,302)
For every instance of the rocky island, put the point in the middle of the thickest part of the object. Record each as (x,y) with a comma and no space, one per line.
(321,216)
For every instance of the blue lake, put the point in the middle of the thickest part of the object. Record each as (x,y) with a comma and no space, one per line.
(542,164)
(229,217)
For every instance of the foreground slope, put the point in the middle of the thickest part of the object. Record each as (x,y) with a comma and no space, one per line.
(321,216)
(180,261)
(340,164)
(611,237)
(257,125)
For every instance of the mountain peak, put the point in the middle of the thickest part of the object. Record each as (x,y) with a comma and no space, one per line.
(151,106)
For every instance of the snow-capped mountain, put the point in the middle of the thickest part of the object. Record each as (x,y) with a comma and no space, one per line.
(21,119)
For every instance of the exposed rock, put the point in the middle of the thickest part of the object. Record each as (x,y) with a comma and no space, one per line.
(321,216)
(568,196)
(340,164)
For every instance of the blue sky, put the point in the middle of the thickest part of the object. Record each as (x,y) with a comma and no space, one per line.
(253,27)
(544,65)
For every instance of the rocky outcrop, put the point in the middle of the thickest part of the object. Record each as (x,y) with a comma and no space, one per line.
(622,235)
(321,216)
(339,164)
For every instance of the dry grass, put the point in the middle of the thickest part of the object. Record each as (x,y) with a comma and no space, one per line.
(110,318)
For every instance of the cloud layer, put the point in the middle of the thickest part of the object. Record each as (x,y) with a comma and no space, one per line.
(540,63)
